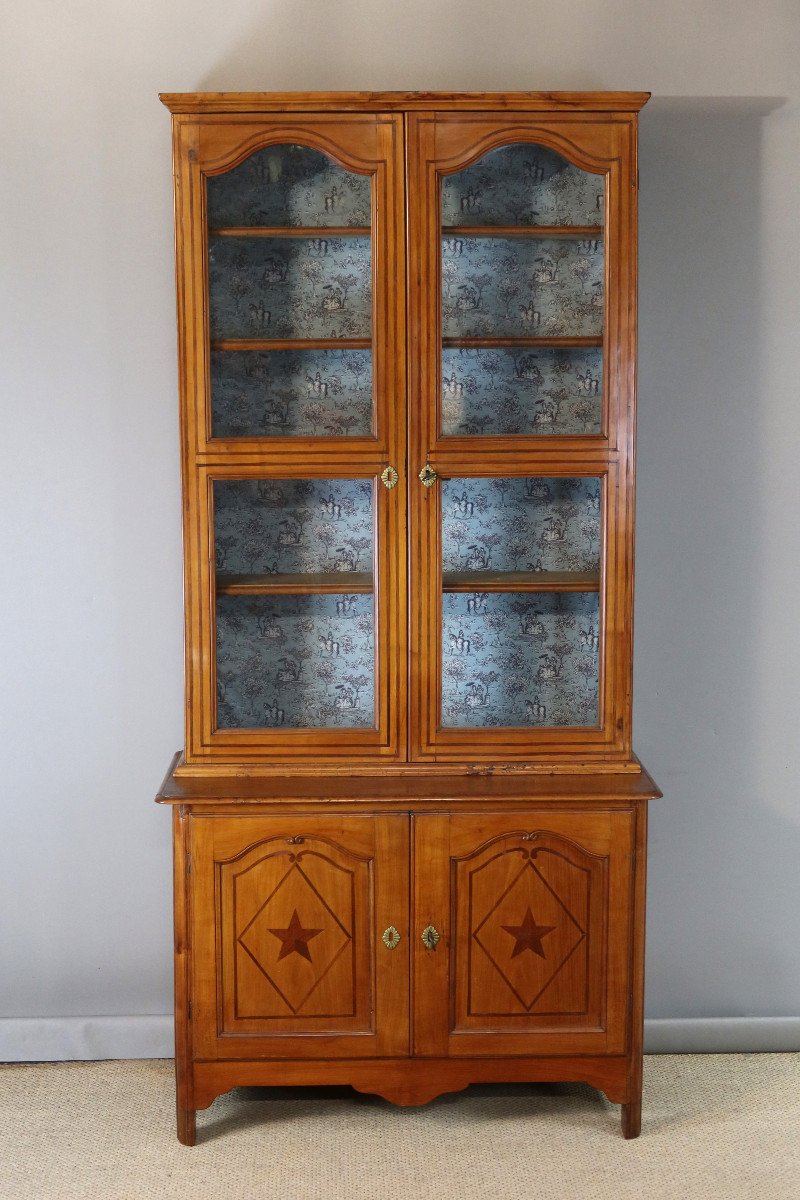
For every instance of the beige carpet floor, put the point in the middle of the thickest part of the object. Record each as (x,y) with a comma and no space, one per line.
(724,1126)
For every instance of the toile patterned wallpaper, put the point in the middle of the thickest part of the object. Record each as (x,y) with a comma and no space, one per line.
(529,391)
(522,184)
(523,524)
(295,662)
(271,526)
(290,287)
(283,393)
(514,287)
(288,185)
(306,661)
(519,659)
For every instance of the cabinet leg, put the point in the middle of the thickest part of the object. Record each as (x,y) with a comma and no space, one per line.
(187,1126)
(632,1118)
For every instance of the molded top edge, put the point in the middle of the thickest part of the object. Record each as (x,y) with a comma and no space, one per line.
(382,787)
(260,102)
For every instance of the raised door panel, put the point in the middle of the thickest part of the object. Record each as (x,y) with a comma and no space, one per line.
(288,951)
(533,913)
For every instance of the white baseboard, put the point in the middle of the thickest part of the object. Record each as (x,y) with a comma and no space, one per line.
(722,1035)
(55,1039)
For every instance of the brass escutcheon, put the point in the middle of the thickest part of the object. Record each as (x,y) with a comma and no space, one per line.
(389,477)
(391,938)
(430,937)
(428,476)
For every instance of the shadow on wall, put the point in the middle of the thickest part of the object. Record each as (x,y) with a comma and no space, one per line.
(721,855)
(306,48)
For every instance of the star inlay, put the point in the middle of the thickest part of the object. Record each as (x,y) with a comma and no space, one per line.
(295,938)
(528,935)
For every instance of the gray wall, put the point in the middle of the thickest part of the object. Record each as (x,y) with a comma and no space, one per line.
(91,628)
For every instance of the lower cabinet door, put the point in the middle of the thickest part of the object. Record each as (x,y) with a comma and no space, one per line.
(288,917)
(533,913)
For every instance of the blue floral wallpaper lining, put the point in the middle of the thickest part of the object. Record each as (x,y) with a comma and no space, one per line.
(288,393)
(288,185)
(521,524)
(290,287)
(308,661)
(520,659)
(292,526)
(295,662)
(516,287)
(522,184)
(529,391)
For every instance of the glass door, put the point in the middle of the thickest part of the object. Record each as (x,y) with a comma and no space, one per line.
(521,551)
(297,528)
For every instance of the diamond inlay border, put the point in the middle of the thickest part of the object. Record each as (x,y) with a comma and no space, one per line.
(529,863)
(293,1008)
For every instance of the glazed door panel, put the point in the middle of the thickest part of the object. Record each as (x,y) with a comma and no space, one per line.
(288,918)
(522,280)
(291,278)
(532,911)
(521,268)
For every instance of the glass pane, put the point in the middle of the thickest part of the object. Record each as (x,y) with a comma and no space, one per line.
(290,260)
(522,184)
(288,185)
(522,287)
(295,610)
(528,390)
(290,526)
(520,659)
(283,393)
(521,524)
(295,662)
(523,280)
(276,287)
(520,609)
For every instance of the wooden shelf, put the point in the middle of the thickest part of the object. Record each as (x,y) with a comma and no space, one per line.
(521,581)
(291,344)
(480,343)
(313,583)
(541,231)
(292,231)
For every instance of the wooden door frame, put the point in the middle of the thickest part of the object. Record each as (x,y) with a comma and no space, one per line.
(368,143)
(445,142)
(610,836)
(379,840)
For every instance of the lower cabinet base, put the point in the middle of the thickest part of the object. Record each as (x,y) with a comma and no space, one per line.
(409,1081)
(430,935)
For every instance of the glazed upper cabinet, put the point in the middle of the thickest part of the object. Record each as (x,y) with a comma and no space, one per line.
(407,547)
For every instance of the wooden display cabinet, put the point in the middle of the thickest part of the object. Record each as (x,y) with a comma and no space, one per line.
(410,831)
